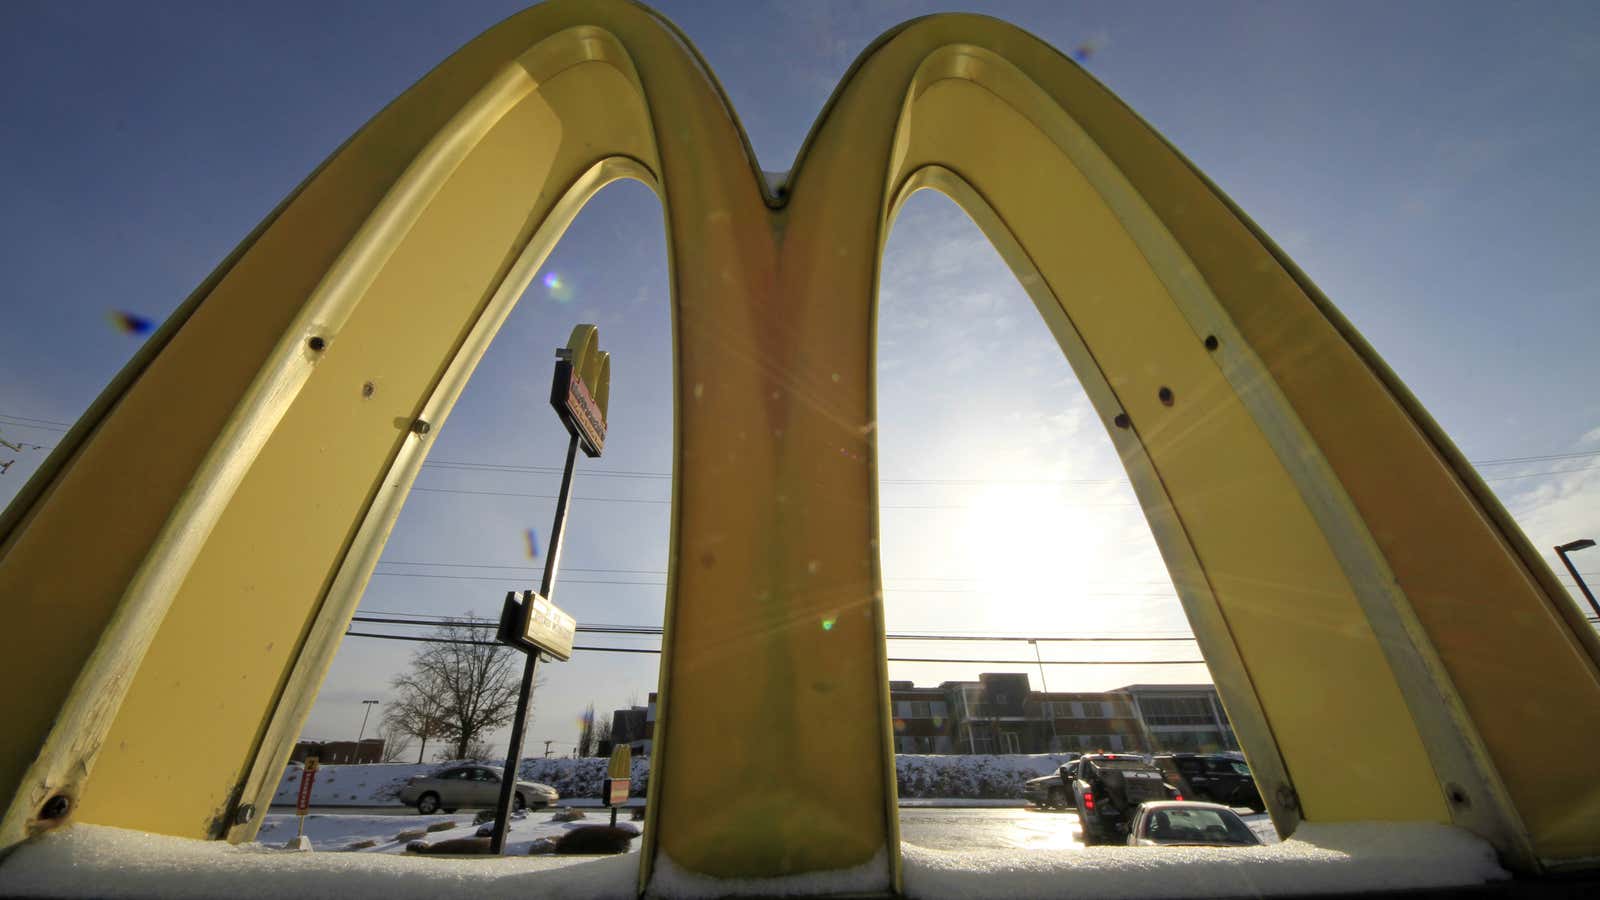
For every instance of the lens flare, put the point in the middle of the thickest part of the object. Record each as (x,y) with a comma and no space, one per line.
(130,323)
(533,543)
(559,289)
(828,623)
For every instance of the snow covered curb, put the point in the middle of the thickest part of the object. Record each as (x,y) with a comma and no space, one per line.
(1319,859)
(90,860)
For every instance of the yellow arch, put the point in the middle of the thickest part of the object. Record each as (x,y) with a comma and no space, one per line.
(187,559)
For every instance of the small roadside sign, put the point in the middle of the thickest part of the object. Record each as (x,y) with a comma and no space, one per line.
(536,625)
(307,777)
(618,774)
(621,764)
(302,802)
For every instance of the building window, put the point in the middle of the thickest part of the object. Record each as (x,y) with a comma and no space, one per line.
(1000,698)
(982,745)
(921,709)
(1177,711)
(1092,711)
(1009,742)
(940,708)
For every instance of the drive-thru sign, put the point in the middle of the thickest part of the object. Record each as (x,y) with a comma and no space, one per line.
(535,626)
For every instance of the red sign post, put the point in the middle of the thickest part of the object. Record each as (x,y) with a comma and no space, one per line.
(303,802)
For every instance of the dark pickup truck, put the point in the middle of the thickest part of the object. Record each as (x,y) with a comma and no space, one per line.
(1212,777)
(1108,791)
(1052,791)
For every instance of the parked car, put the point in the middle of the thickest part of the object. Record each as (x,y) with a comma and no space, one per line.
(1213,777)
(471,786)
(1052,791)
(1108,791)
(1189,823)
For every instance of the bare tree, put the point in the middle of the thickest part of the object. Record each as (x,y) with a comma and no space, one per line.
(417,709)
(459,689)
(474,682)
(479,749)
(586,732)
(602,734)
(395,741)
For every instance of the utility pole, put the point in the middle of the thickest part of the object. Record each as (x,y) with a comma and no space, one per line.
(369,704)
(1055,739)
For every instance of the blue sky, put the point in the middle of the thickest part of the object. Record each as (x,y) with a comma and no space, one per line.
(1429,165)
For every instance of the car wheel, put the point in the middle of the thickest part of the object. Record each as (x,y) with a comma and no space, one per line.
(518,804)
(428,803)
(1057,799)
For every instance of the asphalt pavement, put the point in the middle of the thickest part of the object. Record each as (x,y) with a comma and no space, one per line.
(990,829)
(941,829)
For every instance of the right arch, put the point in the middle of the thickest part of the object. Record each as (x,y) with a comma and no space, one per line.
(1377,626)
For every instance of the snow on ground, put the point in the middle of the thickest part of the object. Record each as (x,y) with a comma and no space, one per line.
(1318,859)
(99,861)
(357,785)
(960,803)
(340,832)
(997,777)
(90,860)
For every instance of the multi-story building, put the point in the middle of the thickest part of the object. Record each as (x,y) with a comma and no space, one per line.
(1000,713)
(635,726)
(921,719)
(1183,717)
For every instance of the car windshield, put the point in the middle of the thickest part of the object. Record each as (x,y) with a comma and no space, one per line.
(1119,765)
(1196,826)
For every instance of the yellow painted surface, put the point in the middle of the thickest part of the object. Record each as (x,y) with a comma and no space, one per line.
(1390,624)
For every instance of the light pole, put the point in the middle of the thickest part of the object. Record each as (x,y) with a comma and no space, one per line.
(1562,551)
(369,704)
(1055,739)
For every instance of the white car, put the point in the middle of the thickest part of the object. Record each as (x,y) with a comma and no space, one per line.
(471,786)
(1189,823)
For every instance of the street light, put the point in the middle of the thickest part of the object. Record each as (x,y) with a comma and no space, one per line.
(369,704)
(1562,551)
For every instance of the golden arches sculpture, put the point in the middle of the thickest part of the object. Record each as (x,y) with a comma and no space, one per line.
(1373,619)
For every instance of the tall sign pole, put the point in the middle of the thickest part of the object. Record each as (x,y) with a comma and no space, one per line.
(579,392)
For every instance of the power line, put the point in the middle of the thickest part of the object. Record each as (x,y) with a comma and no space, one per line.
(427,490)
(479,622)
(909,659)
(467,465)
(61,425)
(505,579)
(663,572)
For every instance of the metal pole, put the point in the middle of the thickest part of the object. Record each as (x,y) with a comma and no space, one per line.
(1582,586)
(508,781)
(1055,739)
(368,704)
